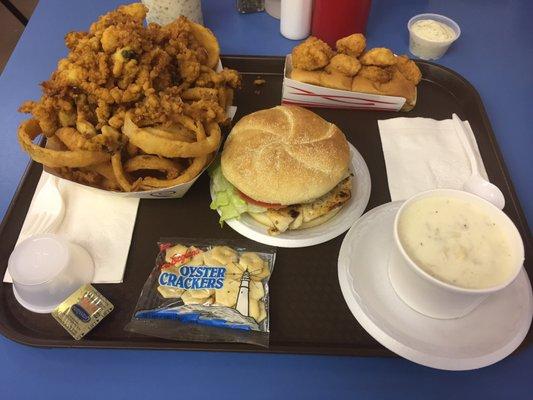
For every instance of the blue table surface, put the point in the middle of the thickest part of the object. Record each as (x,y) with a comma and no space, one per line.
(494,53)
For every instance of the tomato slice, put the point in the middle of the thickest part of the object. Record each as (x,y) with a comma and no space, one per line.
(259,203)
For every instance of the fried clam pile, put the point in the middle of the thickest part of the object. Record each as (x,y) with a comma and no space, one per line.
(376,71)
(132,107)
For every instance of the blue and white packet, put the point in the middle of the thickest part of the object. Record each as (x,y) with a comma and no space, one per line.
(207,291)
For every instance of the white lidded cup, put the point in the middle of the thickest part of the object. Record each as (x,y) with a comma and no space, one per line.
(46,269)
(434,297)
(430,49)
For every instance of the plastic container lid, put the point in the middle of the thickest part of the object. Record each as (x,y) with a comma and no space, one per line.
(38,260)
(46,269)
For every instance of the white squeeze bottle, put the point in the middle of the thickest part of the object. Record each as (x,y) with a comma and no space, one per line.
(296,18)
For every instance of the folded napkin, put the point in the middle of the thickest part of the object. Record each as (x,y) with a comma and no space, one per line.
(423,154)
(99,222)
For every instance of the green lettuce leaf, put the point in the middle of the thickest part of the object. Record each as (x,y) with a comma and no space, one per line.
(226,198)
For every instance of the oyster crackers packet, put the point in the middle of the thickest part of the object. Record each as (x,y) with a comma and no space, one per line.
(207,291)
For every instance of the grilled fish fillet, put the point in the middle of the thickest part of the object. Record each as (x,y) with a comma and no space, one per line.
(299,215)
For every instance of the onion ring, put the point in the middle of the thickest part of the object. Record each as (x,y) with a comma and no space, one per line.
(146,161)
(108,181)
(175,132)
(104,169)
(120,175)
(53,143)
(30,129)
(208,41)
(131,149)
(169,148)
(189,174)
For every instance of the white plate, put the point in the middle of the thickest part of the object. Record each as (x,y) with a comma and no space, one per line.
(340,223)
(485,336)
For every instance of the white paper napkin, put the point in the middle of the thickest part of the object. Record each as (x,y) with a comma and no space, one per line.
(423,154)
(99,222)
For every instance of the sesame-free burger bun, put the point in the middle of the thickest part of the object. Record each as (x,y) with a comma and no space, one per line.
(285,155)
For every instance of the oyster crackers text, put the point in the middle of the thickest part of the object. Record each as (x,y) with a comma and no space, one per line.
(194,277)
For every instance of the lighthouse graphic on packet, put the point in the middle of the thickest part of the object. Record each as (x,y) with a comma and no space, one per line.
(242,298)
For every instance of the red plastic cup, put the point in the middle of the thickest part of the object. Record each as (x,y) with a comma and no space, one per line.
(334,19)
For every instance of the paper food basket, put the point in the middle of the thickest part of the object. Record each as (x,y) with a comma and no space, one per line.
(307,95)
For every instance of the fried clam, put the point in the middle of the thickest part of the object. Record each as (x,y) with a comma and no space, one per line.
(29,130)
(74,140)
(200,93)
(109,139)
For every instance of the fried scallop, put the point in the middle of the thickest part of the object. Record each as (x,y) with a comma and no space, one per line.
(352,45)
(344,64)
(311,55)
(378,56)
(408,69)
(375,74)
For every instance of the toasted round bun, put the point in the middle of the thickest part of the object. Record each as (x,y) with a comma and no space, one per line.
(334,80)
(397,86)
(285,155)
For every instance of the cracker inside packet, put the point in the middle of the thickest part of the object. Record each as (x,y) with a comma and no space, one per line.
(208,291)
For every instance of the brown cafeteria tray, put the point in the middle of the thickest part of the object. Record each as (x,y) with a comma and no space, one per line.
(308,312)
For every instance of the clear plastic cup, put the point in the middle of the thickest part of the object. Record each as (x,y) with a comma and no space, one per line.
(429,49)
(46,269)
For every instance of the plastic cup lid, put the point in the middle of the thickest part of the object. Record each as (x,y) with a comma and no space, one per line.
(38,259)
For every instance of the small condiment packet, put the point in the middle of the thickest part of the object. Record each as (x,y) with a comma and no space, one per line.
(82,311)
(423,154)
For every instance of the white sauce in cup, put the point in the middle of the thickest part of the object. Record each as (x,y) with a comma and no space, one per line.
(430,35)
(432,30)
(456,242)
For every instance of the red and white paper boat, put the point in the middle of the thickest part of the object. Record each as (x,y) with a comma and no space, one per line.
(307,95)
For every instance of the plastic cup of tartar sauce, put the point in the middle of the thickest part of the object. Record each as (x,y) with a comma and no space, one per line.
(430,35)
